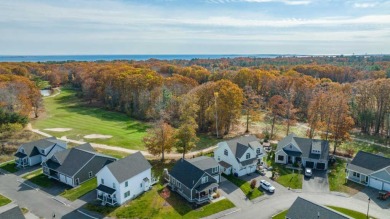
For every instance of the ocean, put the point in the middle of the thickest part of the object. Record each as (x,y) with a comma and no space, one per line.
(64,58)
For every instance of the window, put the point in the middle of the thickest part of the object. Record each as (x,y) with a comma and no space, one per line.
(225,152)
(219,158)
(178,184)
(357,174)
(366,178)
(90,174)
(102,181)
(280,157)
(140,185)
(113,185)
(205,179)
(126,183)
(248,155)
(258,151)
(43,151)
(214,170)
(354,174)
(127,194)
(77,181)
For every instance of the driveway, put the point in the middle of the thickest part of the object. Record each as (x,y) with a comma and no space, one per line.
(279,189)
(372,193)
(317,183)
(234,194)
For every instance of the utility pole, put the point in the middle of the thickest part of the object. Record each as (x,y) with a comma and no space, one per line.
(216,113)
(368,208)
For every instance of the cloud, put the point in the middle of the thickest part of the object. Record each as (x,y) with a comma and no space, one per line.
(287,2)
(365,5)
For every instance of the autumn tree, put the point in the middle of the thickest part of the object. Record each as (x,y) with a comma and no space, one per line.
(160,139)
(251,106)
(278,106)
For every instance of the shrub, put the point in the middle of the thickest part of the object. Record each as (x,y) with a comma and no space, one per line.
(253,184)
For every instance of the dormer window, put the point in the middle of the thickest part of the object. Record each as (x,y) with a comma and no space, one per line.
(42,151)
(248,155)
(258,151)
(225,152)
(205,179)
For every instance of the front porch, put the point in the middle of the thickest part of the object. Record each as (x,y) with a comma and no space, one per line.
(21,160)
(204,192)
(107,195)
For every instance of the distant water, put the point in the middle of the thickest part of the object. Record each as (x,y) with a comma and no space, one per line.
(64,58)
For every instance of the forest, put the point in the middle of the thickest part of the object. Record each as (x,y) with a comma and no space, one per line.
(333,95)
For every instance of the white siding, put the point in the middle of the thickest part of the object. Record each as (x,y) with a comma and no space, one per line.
(386,187)
(280,153)
(376,184)
(230,159)
(134,186)
(35,160)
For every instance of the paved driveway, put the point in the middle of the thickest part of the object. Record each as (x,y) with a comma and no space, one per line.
(234,194)
(372,193)
(317,183)
(279,189)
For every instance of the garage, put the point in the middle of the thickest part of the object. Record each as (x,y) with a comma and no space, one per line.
(320,166)
(374,183)
(386,187)
(309,164)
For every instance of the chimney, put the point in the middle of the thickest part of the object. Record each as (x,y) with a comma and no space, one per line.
(318,215)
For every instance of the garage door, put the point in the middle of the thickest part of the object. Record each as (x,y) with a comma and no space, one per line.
(376,184)
(386,186)
(62,178)
(321,166)
(309,164)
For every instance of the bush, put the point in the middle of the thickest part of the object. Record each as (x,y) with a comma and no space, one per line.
(253,184)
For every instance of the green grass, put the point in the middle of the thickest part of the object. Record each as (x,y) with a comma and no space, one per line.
(337,180)
(357,146)
(351,213)
(287,178)
(77,192)
(67,111)
(37,177)
(151,205)
(10,167)
(4,201)
(24,210)
(245,187)
(112,153)
(206,141)
(281,215)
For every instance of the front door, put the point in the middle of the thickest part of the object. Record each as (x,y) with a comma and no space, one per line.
(289,159)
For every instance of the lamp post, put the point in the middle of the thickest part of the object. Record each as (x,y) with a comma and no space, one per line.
(216,113)
(368,208)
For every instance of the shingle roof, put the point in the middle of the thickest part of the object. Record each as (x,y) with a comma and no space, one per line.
(72,160)
(305,145)
(203,162)
(186,173)
(11,211)
(366,163)
(30,148)
(285,141)
(240,145)
(224,164)
(128,167)
(105,189)
(304,209)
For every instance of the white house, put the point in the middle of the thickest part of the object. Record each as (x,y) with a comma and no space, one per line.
(124,179)
(239,156)
(36,152)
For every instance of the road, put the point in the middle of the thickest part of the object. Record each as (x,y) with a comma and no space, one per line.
(38,202)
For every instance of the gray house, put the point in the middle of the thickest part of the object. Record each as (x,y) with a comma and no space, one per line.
(207,164)
(11,211)
(36,152)
(312,153)
(304,209)
(193,183)
(370,170)
(76,165)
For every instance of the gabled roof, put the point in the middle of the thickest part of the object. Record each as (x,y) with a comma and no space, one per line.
(304,209)
(187,173)
(203,162)
(240,145)
(70,161)
(31,148)
(367,163)
(11,211)
(305,145)
(128,167)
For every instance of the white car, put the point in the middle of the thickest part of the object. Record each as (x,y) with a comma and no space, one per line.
(308,172)
(267,186)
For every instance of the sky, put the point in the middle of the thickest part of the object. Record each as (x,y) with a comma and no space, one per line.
(306,27)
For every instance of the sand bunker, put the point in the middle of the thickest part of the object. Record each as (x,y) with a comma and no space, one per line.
(59,129)
(98,136)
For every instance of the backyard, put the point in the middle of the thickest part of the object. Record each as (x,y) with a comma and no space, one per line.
(75,193)
(245,187)
(337,180)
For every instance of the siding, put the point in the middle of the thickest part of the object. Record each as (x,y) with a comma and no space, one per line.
(94,165)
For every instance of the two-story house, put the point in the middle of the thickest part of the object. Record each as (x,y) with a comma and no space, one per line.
(36,152)
(125,179)
(239,156)
(193,180)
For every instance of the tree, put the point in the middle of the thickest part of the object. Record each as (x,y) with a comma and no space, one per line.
(277,106)
(160,139)
(251,106)
(186,137)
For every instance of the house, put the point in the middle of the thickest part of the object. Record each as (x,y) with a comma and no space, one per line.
(36,152)
(125,179)
(11,211)
(370,170)
(312,153)
(304,209)
(76,165)
(193,180)
(240,155)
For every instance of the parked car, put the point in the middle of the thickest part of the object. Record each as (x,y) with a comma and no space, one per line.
(267,186)
(308,172)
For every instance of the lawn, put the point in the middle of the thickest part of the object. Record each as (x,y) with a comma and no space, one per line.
(245,187)
(37,177)
(281,215)
(351,213)
(4,201)
(67,111)
(77,192)
(337,180)
(9,166)
(357,146)
(152,205)
(112,153)
(287,178)
(206,141)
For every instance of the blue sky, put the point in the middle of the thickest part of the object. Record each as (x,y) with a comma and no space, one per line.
(43,27)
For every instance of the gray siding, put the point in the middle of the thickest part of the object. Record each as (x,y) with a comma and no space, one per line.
(96,164)
(182,190)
